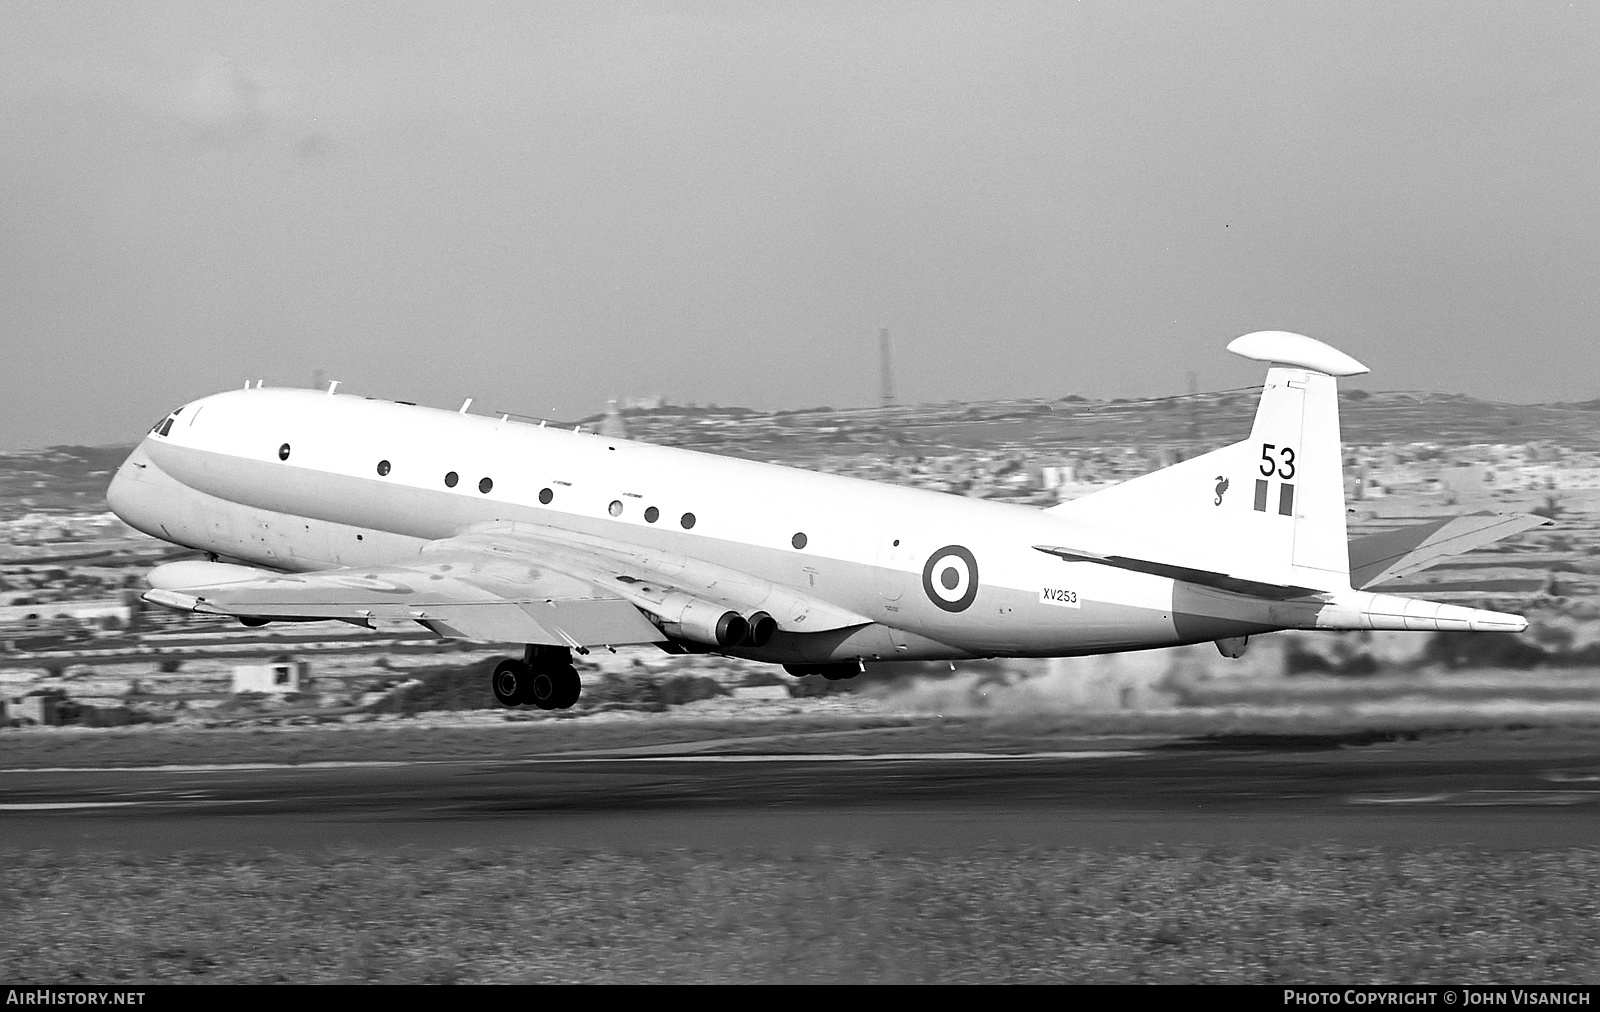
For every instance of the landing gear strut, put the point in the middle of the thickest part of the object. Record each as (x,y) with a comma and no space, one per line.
(544,678)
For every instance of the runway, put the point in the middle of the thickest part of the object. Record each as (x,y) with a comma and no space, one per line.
(1500,790)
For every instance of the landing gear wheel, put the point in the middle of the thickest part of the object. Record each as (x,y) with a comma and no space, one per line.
(554,688)
(541,690)
(510,682)
(568,687)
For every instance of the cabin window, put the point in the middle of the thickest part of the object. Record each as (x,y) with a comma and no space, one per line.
(485,485)
(283,452)
(545,495)
(799,540)
(687,521)
(651,515)
(450,479)
(383,468)
(615,509)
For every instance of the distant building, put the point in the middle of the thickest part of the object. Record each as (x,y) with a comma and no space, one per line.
(281,675)
(39,709)
(612,426)
(32,616)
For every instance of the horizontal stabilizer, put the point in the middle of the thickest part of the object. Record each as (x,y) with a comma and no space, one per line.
(1397,553)
(1203,577)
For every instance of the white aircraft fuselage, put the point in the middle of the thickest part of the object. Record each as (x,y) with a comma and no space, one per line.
(383,504)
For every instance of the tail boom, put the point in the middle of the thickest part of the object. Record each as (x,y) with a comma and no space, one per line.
(1361,609)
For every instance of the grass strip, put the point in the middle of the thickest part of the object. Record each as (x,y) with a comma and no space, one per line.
(1308,914)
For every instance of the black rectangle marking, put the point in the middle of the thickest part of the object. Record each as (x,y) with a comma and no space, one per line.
(1261,495)
(1286,499)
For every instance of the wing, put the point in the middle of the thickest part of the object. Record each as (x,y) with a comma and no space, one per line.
(502,582)
(456,593)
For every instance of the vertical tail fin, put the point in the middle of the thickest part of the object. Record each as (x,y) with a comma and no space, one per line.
(1270,509)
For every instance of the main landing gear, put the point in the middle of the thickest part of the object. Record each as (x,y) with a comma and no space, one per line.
(544,678)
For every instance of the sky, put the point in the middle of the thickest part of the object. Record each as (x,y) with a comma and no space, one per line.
(544,206)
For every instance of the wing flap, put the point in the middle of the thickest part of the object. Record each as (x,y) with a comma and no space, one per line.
(491,623)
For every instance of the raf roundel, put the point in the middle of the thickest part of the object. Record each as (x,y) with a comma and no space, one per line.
(950,578)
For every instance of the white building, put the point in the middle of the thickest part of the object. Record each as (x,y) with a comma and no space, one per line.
(280,675)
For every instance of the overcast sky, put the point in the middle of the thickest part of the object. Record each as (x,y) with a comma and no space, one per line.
(543,206)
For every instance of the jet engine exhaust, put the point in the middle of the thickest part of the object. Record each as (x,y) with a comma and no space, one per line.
(700,621)
(762,626)
(731,628)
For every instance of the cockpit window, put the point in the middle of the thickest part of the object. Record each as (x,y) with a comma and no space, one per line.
(165,425)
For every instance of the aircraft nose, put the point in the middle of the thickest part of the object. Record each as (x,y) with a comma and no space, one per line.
(128,495)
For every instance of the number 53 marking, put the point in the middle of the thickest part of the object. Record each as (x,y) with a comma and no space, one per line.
(1284,468)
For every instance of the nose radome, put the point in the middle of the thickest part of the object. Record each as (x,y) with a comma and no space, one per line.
(128,494)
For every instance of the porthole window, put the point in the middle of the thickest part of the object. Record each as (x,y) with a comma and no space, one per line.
(450,479)
(615,509)
(687,521)
(485,485)
(545,495)
(651,514)
(383,468)
(799,540)
(283,452)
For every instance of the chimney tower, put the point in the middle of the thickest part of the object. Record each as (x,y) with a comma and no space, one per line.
(885,370)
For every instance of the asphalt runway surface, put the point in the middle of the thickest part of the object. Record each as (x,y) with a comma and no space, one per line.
(1530,790)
